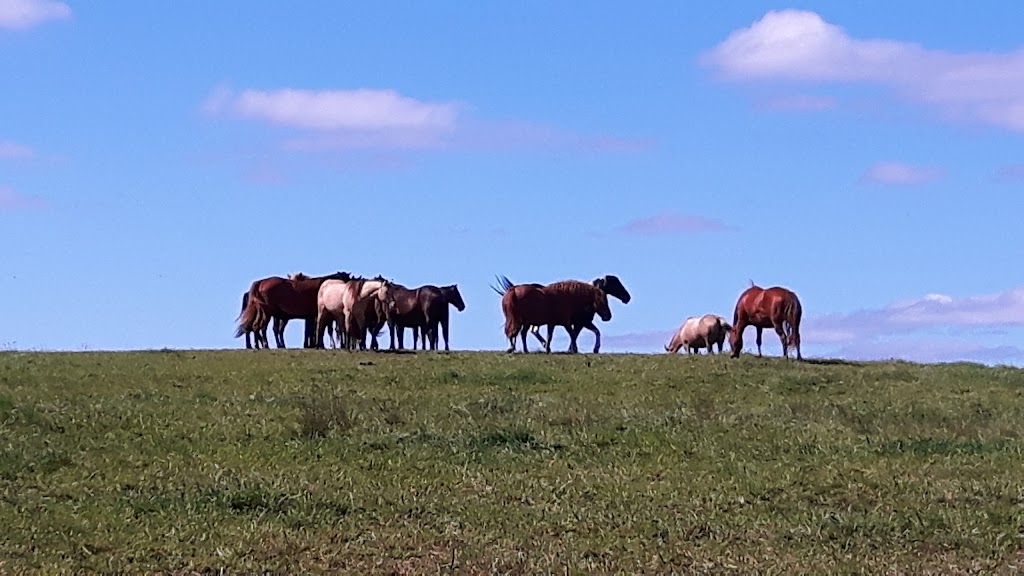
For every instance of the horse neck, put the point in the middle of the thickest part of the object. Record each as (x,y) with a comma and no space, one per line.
(367,288)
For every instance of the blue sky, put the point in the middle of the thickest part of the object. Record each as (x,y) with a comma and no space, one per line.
(157,158)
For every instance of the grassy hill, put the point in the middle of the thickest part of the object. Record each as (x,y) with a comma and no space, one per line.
(308,461)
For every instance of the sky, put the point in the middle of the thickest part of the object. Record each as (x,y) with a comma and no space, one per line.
(156,158)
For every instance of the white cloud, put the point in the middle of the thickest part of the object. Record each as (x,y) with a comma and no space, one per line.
(14,150)
(20,14)
(797,45)
(897,173)
(330,110)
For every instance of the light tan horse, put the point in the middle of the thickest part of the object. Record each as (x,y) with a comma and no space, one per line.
(700,332)
(337,299)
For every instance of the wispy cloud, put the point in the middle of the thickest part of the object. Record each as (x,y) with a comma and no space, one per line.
(1010,173)
(900,174)
(10,200)
(21,14)
(799,102)
(340,118)
(333,121)
(800,46)
(14,150)
(673,223)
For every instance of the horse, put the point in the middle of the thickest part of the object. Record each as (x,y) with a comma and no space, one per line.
(422,309)
(337,298)
(257,326)
(435,307)
(699,332)
(284,299)
(775,307)
(609,283)
(557,304)
(370,315)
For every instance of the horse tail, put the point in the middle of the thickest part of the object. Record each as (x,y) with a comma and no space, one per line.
(792,312)
(510,306)
(505,284)
(250,311)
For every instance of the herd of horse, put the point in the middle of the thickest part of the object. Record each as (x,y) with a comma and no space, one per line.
(356,307)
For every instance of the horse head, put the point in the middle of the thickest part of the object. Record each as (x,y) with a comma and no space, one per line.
(452,295)
(735,340)
(612,286)
(601,305)
(384,292)
(298,276)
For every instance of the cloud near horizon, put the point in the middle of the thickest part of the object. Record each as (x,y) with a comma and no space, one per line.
(23,14)
(900,174)
(799,46)
(673,223)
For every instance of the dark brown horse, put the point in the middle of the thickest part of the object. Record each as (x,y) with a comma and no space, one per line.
(369,315)
(557,304)
(609,283)
(284,299)
(423,309)
(775,307)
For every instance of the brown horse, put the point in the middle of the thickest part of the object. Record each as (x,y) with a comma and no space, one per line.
(557,304)
(279,326)
(369,315)
(608,283)
(775,307)
(422,309)
(435,308)
(284,299)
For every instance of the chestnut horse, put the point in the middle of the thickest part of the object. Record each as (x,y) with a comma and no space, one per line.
(423,309)
(285,299)
(279,326)
(609,283)
(557,304)
(775,307)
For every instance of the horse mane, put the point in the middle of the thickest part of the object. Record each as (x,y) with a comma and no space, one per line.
(572,287)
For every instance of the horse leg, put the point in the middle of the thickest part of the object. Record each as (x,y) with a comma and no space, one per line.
(551,332)
(796,343)
(444,332)
(781,331)
(536,332)
(522,334)
(597,335)
(321,325)
(758,328)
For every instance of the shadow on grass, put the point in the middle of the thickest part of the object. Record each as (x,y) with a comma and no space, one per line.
(831,362)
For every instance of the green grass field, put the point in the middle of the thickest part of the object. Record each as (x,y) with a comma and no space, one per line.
(316,461)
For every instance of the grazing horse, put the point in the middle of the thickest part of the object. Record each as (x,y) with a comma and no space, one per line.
(609,283)
(283,298)
(337,299)
(699,332)
(775,307)
(422,309)
(557,304)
